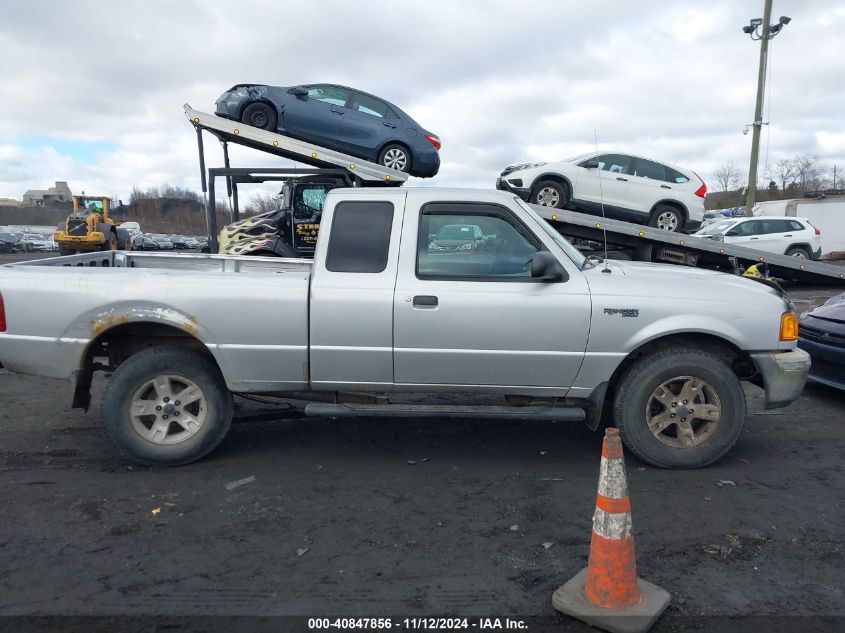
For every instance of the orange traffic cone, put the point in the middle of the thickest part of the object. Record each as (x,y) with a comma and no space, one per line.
(608,594)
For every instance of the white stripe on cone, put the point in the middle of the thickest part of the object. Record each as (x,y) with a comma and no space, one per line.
(613,526)
(612,482)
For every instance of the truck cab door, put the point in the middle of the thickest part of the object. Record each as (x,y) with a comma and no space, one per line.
(352,285)
(476,317)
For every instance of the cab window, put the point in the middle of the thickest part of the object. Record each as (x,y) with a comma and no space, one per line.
(473,242)
(334,95)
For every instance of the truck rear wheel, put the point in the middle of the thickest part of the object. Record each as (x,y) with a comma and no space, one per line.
(166,406)
(679,408)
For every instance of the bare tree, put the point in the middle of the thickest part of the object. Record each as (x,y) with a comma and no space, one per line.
(806,170)
(727,177)
(262,202)
(784,172)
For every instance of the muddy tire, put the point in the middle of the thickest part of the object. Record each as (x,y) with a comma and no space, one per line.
(679,408)
(166,406)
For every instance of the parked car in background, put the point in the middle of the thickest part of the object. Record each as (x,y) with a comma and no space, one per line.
(460,238)
(621,186)
(179,241)
(787,236)
(8,242)
(821,333)
(164,244)
(34,242)
(338,117)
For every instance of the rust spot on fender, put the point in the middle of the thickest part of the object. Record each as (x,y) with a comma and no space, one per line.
(166,316)
(99,326)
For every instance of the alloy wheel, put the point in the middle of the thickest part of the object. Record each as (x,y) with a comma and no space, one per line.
(683,411)
(168,409)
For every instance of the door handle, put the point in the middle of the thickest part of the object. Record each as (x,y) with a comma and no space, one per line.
(388,124)
(755,238)
(620,178)
(665,187)
(425,301)
(336,111)
(787,236)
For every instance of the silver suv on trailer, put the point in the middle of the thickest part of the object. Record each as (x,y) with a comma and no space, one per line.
(521,318)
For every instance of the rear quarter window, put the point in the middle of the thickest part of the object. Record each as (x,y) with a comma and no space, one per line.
(672,175)
(360,237)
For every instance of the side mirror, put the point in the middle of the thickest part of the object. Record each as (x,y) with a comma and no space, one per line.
(545,267)
(590,164)
(299,91)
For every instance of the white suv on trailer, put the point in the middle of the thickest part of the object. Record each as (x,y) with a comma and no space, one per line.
(630,188)
(796,237)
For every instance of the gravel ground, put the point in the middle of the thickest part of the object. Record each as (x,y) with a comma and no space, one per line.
(369,517)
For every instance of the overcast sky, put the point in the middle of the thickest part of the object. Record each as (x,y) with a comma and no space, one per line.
(93,91)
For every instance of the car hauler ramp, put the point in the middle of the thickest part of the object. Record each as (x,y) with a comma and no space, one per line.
(644,243)
(230,131)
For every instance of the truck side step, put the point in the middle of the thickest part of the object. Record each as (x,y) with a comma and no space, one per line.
(331,410)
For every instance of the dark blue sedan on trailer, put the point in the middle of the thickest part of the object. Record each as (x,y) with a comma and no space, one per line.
(821,333)
(337,117)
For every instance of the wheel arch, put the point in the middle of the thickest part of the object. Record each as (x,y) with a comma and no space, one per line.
(738,360)
(118,337)
(803,245)
(262,99)
(566,182)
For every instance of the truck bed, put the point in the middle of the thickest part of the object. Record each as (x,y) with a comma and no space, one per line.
(250,312)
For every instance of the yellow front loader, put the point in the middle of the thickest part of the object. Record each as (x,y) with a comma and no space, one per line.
(89,228)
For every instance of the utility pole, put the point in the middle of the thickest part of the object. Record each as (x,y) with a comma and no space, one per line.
(758,111)
(764,31)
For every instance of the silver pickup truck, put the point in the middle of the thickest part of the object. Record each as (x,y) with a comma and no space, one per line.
(465,299)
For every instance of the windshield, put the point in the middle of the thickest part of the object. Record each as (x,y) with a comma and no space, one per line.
(571,252)
(717,228)
(94,205)
(308,201)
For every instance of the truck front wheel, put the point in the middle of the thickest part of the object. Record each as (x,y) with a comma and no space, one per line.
(679,408)
(166,406)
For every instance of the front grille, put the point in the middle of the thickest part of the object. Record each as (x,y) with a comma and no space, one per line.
(821,337)
(77,227)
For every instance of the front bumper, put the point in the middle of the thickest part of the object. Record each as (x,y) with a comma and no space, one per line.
(784,375)
(503,185)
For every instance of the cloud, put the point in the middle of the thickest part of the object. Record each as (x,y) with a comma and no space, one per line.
(498,81)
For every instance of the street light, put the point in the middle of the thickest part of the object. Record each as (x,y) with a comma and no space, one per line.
(760,30)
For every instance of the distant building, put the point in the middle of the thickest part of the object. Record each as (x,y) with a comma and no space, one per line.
(60,192)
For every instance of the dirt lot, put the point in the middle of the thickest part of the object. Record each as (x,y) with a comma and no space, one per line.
(409,517)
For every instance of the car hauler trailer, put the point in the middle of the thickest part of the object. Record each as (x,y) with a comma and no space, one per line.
(642,243)
(633,241)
